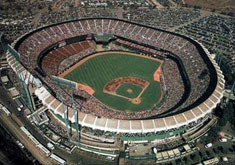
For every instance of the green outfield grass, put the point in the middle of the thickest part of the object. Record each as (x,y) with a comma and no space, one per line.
(122,90)
(97,71)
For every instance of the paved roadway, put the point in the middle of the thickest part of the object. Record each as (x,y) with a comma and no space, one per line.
(227,94)
(7,101)
(13,124)
(18,119)
(16,131)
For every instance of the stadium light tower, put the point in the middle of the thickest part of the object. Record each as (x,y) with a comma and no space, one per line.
(232,91)
(75,112)
(219,59)
(66,118)
(3,47)
(24,88)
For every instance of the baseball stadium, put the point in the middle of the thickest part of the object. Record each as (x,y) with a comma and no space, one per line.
(108,82)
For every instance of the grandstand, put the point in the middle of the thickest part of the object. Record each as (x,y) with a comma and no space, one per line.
(55,57)
(191,95)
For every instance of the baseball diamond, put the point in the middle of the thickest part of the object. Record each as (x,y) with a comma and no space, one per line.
(107,69)
(129,90)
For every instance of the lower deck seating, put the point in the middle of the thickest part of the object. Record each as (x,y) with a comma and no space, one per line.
(52,60)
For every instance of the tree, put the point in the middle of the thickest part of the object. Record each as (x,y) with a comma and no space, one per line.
(231,150)
(215,150)
(221,149)
(213,133)
(209,154)
(227,115)
(222,122)
(189,161)
(185,160)
(182,162)
(225,150)
(192,156)
(195,157)
(178,162)
(202,155)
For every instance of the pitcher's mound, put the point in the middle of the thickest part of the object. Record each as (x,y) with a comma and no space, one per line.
(129,90)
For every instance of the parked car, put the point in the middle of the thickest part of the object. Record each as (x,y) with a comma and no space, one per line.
(223,140)
(208,145)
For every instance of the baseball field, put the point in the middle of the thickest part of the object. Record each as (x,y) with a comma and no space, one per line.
(121,80)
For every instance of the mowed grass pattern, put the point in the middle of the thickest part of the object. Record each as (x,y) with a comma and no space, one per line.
(122,90)
(99,70)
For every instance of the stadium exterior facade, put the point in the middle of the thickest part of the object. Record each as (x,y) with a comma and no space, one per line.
(193,115)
